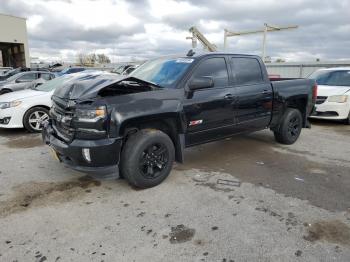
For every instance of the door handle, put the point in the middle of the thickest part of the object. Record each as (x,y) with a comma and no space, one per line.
(265,92)
(228,97)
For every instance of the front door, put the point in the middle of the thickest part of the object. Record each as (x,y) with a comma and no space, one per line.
(209,111)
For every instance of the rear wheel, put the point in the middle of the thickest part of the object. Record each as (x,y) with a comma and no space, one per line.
(34,117)
(290,127)
(147,158)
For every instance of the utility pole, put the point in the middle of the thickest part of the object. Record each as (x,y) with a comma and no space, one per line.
(267,28)
(198,35)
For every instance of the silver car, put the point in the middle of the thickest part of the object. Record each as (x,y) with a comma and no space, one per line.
(24,80)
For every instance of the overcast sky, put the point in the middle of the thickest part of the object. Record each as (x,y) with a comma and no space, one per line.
(59,29)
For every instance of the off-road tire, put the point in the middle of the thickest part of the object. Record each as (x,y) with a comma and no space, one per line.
(137,148)
(28,114)
(290,127)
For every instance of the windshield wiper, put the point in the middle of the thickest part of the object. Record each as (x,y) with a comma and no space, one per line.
(132,78)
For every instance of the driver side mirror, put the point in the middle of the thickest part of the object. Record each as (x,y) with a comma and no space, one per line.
(201,83)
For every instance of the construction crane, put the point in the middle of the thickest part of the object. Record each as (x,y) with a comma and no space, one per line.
(196,35)
(267,28)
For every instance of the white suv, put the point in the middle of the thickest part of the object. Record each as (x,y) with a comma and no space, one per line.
(333,94)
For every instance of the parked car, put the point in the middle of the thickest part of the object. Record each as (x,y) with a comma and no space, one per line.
(9,73)
(23,80)
(70,70)
(143,122)
(4,70)
(120,69)
(129,70)
(333,100)
(28,108)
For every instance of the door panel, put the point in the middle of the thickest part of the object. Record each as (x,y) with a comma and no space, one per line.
(254,95)
(213,112)
(209,112)
(254,105)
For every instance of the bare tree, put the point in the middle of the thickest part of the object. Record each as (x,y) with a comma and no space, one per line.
(91,59)
(103,59)
(81,58)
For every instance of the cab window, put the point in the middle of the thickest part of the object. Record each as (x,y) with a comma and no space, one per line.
(247,71)
(214,68)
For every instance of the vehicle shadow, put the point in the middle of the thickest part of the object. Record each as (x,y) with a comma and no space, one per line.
(15,132)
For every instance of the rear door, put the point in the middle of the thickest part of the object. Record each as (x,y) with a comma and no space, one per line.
(209,112)
(254,94)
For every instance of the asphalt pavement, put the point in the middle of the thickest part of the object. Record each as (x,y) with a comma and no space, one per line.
(241,199)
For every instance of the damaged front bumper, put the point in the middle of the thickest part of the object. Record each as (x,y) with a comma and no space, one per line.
(99,157)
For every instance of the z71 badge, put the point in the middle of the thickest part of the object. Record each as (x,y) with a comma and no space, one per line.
(195,122)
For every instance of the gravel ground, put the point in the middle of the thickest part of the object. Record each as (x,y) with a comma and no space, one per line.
(241,199)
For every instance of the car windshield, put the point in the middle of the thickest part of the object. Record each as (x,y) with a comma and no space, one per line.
(63,71)
(52,84)
(14,77)
(332,78)
(164,72)
(119,70)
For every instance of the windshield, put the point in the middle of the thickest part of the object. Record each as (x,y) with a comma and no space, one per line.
(14,77)
(332,78)
(63,71)
(164,72)
(52,84)
(118,70)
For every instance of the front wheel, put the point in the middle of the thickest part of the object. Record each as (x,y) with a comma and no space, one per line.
(147,158)
(34,117)
(290,127)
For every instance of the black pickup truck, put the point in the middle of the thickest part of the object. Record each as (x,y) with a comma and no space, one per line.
(140,124)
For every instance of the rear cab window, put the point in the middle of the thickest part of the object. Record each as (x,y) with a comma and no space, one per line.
(246,71)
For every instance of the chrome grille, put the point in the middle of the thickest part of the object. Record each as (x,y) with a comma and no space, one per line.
(61,117)
(320,99)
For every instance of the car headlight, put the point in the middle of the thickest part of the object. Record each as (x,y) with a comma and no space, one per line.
(5,105)
(338,99)
(90,115)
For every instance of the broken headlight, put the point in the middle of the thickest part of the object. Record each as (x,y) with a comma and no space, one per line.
(90,115)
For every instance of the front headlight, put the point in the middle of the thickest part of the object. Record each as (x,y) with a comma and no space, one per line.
(90,115)
(9,104)
(338,99)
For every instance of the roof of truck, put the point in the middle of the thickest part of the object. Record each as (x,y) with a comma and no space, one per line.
(336,68)
(201,53)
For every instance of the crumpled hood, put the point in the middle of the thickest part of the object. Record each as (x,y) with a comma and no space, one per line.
(323,90)
(88,88)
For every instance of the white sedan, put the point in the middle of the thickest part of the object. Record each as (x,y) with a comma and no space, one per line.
(29,108)
(333,94)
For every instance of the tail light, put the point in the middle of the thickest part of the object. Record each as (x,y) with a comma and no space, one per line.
(314,92)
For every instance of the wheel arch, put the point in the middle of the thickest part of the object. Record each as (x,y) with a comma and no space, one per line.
(300,104)
(31,107)
(6,89)
(169,123)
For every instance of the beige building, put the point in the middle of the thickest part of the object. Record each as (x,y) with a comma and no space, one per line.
(14,51)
